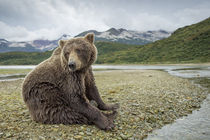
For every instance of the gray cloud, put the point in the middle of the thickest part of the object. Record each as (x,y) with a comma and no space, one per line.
(32,19)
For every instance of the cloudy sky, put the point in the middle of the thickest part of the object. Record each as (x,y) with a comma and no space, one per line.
(22,20)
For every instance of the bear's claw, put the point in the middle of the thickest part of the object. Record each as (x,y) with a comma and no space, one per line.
(109,107)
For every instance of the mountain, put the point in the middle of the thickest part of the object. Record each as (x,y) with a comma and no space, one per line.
(190,44)
(39,45)
(128,36)
(111,35)
(7,46)
(47,45)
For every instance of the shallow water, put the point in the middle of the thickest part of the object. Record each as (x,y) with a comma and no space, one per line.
(205,72)
(186,71)
(195,126)
(160,67)
(10,77)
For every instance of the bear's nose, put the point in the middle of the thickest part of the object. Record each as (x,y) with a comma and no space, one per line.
(72,65)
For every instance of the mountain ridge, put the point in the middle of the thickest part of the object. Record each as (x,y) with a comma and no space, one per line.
(190,44)
(111,35)
(128,36)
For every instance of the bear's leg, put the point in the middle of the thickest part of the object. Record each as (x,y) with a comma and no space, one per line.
(101,120)
(60,115)
(93,94)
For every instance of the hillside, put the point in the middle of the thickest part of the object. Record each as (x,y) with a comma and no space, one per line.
(23,58)
(190,44)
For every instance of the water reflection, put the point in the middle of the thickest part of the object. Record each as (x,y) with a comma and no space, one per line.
(11,77)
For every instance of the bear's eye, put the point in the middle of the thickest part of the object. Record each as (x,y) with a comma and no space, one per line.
(67,54)
(78,51)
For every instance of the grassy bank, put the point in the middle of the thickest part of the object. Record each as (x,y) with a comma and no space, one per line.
(149,99)
(14,71)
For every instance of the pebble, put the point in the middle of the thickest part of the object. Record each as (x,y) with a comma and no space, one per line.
(78,137)
(1,134)
(8,135)
(124,137)
(135,104)
(89,133)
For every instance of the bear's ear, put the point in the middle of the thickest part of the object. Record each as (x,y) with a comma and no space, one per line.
(90,37)
(61,43)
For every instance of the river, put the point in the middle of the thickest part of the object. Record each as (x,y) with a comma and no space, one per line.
(194,126)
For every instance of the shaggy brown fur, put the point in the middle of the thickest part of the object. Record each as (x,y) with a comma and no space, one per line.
(59,89)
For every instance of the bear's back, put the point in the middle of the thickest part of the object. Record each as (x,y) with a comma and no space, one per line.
(46,71)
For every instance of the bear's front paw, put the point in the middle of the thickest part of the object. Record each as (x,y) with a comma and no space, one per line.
(109,106)
(114,106)
(110,126)
(105,124)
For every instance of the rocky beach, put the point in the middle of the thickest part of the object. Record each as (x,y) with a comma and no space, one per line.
(149,99)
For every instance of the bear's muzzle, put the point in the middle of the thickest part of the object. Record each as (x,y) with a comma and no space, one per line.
(72,65)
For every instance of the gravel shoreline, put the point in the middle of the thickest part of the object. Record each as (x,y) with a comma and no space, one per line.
(148,100)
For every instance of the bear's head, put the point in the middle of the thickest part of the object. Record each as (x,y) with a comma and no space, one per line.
(78,53)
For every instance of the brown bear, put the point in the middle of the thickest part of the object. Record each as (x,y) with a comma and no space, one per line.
(59,90)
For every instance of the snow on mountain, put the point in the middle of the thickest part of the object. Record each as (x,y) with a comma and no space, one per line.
(38,45)
(17,44)
(151,35)
(128,36)
(65,37)
(113,35)
(3,41)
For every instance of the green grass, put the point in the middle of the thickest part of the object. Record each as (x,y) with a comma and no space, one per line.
(14,71)
(23,58)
